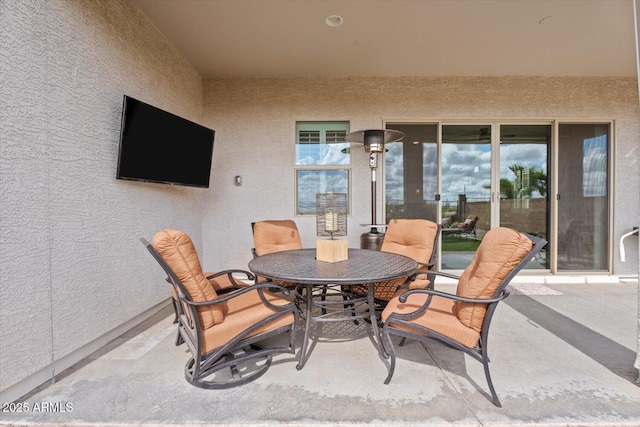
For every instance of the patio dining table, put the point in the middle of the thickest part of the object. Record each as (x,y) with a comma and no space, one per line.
(327,286)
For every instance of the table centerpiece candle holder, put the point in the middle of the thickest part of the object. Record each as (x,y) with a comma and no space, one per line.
(331,220)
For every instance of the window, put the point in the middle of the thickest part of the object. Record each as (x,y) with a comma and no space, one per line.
(322,162)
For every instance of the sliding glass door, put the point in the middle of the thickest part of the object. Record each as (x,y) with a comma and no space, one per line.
(477,177)
(473,177)
(493,175)
(465,192)
(524,184)
(411,173)
(583,197)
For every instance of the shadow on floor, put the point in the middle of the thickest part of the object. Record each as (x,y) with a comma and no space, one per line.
(613,356)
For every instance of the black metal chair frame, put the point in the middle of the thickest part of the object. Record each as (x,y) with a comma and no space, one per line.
(423,334)
(239,350)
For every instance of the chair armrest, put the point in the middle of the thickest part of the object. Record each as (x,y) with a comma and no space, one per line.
(403,297)
(242,290)
(229,274)
(442,273)
(431,293)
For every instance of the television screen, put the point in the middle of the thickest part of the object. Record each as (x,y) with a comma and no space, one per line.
(158,146)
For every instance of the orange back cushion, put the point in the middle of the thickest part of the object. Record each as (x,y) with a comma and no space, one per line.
(414,238)
(275,236)
(177,250)
(499,253)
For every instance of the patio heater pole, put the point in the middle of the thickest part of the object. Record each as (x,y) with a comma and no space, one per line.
(373,161)
(374,140)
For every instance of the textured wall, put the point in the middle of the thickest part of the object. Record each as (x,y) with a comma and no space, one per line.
(71,265)
(255,123)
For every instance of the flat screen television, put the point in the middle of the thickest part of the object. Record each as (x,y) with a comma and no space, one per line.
(157,146)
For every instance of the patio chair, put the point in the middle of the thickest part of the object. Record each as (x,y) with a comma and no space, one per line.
(468,227)
(222,329)
(271,236)
(465,228)
(462,320)
(414,238)
(275,236)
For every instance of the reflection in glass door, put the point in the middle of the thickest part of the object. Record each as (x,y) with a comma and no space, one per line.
(411,173)
(465,192)
(524,197)
(583,190)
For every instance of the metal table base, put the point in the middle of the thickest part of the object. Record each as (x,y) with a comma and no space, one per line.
(327,285)
(348,307)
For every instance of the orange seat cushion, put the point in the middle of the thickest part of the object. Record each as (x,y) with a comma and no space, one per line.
(439,317)
(243,312)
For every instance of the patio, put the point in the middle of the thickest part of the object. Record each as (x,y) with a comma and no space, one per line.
(74,272)
(562,354)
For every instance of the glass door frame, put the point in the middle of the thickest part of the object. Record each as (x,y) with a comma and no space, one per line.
(494,125)
(610,188)
(552,183)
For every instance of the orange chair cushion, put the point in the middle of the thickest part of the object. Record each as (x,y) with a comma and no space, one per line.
(219,284)
(414,238)
(498,254)
(177,250)
(243,312)
(439,317)
(275,236)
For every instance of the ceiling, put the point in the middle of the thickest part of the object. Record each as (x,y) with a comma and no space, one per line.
(284,38)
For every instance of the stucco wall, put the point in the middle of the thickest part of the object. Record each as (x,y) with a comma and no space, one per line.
(255,123)
(71,265)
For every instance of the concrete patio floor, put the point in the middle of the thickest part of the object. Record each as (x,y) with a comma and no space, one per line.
(561,354)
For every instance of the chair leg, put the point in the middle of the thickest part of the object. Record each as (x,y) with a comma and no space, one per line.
(485,363)
(323,298)
(179,339)
(402,341)
(389,352)
(349,290)
(240,363)
(175,310)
